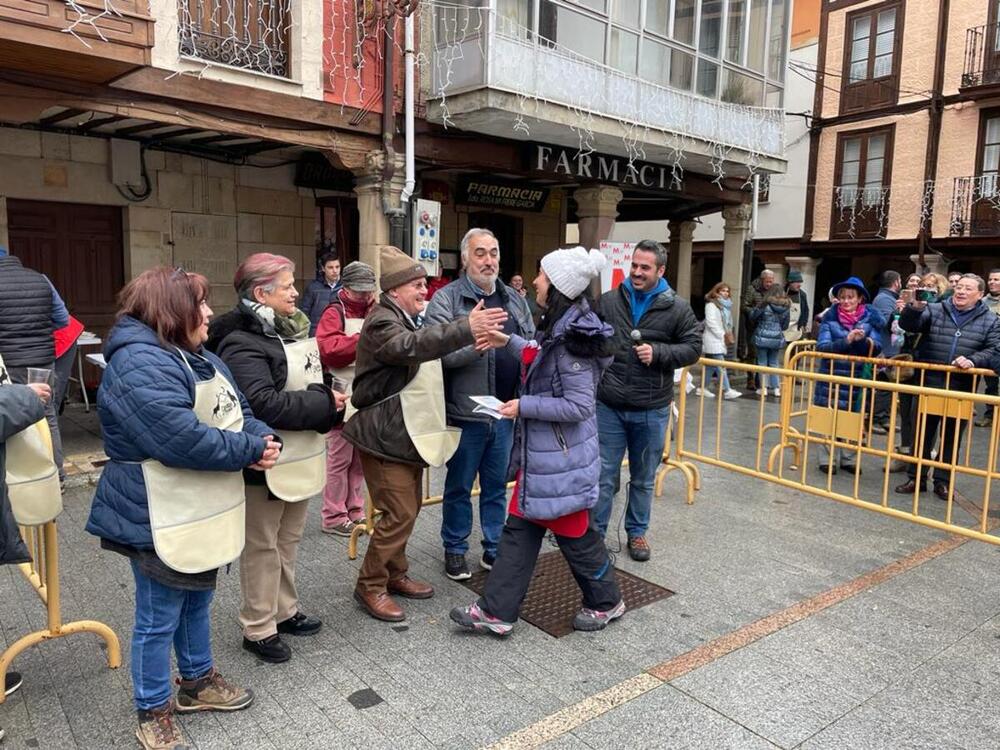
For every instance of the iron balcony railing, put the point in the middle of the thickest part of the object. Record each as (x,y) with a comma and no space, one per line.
(982,56)
(975,206)
(248,34)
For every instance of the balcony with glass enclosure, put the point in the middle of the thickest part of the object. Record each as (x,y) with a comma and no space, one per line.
(705,76)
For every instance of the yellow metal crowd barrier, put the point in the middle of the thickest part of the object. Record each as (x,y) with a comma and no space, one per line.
(43,574)
(788,440)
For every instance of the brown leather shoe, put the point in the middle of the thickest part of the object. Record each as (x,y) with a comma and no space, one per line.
(411,589)
(941,491)
(909,487)
(380,605)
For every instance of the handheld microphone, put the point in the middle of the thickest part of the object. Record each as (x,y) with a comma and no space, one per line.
(636,337)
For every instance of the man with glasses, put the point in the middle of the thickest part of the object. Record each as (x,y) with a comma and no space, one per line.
(485,446)
(962,332)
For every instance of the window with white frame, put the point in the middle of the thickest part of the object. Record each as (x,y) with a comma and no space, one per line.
(733,50)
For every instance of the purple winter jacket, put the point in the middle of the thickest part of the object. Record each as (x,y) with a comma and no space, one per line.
(555,438)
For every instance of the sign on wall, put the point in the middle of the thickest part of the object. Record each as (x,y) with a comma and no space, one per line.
(619,255)
(493,192)
(569,162)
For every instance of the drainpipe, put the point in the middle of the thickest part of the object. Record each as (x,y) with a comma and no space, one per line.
(396,216)
(408,82)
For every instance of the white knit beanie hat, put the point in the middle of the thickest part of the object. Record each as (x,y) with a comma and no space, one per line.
(571,270)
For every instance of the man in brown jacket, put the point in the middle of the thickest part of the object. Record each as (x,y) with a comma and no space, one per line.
(391,350)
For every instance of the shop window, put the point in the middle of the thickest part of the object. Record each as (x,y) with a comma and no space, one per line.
(871,58)
(862,180)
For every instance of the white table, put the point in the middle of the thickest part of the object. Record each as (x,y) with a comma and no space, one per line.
(86,339)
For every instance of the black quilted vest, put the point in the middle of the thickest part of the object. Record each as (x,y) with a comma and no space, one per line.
(25,316)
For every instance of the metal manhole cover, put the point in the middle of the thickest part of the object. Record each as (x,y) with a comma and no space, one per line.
(553,597)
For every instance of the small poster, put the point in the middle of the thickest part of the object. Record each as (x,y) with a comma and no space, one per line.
(619,255)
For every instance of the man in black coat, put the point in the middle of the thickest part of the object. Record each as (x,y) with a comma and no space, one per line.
(655,332)
(960,331)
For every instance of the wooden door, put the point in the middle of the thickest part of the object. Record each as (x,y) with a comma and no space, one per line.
(79,247)
(991,46)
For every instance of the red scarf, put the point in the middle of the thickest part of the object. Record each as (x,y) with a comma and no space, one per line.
(850,320)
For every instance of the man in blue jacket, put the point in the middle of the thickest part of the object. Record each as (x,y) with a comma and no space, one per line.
(320,291)
(885,302)
(961,331)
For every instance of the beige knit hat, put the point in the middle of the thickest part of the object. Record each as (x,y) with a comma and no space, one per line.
(397,268)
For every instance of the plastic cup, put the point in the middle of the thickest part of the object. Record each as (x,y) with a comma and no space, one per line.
(40,375)
(339,385)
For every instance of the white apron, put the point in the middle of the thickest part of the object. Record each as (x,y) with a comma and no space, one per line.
(422,401)
(301,469)
(32,477)
(793,333)
(198,518)
(351,326)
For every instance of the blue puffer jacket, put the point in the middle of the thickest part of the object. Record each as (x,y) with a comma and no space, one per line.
(770,320)
(555,439)
(145,403)
(833,338)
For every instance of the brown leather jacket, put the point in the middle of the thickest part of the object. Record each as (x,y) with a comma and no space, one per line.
(390,351)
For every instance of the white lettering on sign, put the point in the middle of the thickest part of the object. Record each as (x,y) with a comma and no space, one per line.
(599,167)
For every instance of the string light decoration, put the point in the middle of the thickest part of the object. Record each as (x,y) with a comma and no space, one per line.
(249,34)
(975,205)
(85,16)
(866,207)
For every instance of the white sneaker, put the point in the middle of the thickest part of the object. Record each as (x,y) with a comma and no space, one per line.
(777,393)
(704,392)
(731,394)
(762,392)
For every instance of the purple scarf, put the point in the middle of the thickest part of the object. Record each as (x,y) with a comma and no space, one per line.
(850,320)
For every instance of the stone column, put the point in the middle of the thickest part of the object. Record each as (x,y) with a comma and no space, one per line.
(737,225)
(933,263)
(807,267)
(681,242)
(373,224)
(4,239)
(596,211)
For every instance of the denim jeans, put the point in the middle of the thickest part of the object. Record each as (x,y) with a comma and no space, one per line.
(769,358)
(165,615)
(719,372)
(642,433)
(484,449)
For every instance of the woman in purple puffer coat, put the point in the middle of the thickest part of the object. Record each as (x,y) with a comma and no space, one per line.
(555,459)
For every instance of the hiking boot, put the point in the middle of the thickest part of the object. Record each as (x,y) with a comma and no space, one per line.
(455,566)
(271,649)
(638,548)
(157,730)
(909,487)
(339,529)
(594,619)
(211,693)
(300,624)
(487,560)
(474,618)
(12,683)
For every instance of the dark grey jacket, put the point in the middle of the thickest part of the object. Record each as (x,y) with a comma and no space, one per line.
(672,330)
(19,408)
(942,339)
(467,372)
(25,316)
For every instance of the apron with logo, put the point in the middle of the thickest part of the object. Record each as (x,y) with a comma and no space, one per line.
(351,327)
(32,476)
(301,469)
(198,518)
(422,402)
(793,333)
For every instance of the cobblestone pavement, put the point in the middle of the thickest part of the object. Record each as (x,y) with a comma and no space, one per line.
(797,622)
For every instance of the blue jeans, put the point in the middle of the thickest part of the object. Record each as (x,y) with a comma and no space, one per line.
(719,372)
(485,450)
(642,433)
(165,615)
(769,358)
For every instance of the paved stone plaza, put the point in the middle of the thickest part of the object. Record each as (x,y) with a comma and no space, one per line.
(798,622)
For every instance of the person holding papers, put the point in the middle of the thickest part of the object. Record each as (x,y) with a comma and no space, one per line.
(555,460)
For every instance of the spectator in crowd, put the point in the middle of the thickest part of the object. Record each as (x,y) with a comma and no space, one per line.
(770,320)
(752,299)
(913,281)
(798,318)
(953,277)
(31,310)
(320,291)
(960,331)
(555,460)
(177,431)
(265,341)
(718,337)
(484,448)
(399,426)
(20,407)
(655,332)
(886,303)
(848,327)
(337,336)
(992,301)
